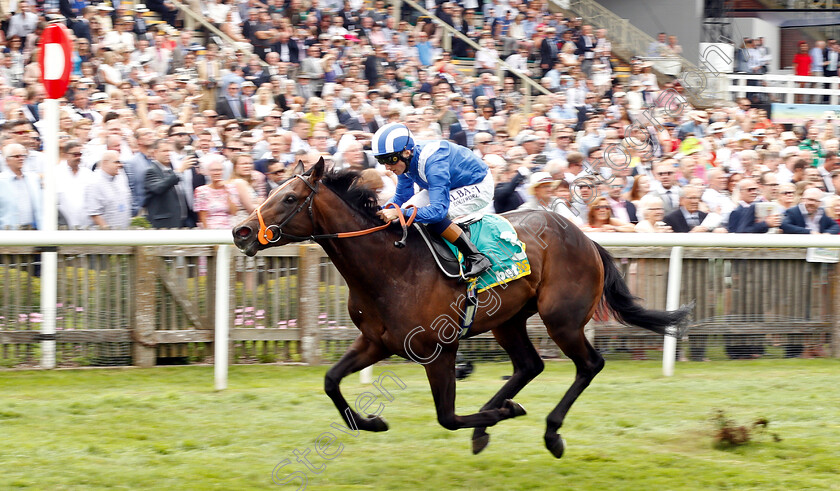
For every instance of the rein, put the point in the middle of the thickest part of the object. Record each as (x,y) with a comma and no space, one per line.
(273,233)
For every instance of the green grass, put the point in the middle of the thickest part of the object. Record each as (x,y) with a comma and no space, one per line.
(165,428)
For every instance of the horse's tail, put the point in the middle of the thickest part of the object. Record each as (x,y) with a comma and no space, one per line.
(627,311)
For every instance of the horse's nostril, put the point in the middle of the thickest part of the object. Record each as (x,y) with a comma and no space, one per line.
(243,232)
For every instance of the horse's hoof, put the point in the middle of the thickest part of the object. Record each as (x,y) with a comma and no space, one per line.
(478,444)
(374,423)
(515,408)
(555,444)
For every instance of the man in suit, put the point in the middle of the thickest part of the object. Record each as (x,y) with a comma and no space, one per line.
(485,88)
(831,55)
(350,114)
(286,49)
(742,220)
(375,65)
(255,73)
(312,70)
(738,219)
(231,105)
(466,137)
(135,168)
(81,24)
(548,51)
(688,217)
(586,48)
(809,216)
(23,191)
(182,47)
(165,202)
(622,209)
(185,163)
(663,186)
(509,193)
(209,74)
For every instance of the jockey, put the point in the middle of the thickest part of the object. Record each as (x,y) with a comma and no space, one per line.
(453,181)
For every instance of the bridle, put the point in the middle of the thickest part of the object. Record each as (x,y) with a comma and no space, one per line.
(273,233)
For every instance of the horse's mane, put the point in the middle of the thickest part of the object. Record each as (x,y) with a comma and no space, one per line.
(345,183)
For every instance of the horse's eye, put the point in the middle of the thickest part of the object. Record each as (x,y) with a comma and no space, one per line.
(291,198)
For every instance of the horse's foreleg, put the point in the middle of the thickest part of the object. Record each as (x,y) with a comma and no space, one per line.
(361,354)
(527,364)
(441,375)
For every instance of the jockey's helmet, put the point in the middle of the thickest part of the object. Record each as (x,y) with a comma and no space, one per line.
(390,141)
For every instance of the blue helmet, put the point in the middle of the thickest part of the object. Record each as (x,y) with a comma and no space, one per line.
(391,138)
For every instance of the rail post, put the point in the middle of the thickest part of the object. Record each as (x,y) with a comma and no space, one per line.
(834,287)
(222,327)
(143,350)
(672,302)
(309,303)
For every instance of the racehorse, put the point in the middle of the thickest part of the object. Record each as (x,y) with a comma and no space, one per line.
(397,296)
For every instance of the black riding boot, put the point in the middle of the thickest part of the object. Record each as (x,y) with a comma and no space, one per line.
(476,262)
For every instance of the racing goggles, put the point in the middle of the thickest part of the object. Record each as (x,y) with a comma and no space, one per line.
(389,159)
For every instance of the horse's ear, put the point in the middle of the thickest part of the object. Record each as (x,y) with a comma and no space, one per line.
(317,170)
(298,168)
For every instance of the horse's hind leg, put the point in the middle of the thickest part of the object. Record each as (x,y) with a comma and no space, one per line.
(527,364)
(441,375)
(588,362)
(361,354)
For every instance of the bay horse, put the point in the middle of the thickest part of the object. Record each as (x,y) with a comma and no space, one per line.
(398,297)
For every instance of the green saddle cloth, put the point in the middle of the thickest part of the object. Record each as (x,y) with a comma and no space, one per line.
(496,238)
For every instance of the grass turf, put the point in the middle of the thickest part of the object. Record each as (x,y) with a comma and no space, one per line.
(165,428)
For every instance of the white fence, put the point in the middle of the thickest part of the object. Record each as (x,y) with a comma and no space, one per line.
(785,88)
(223,239)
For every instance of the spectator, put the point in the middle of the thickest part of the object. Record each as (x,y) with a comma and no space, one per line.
(688,217)
(802,63)
(231,106)
(656,48)
(746,218)
(165,202)
(71,183)
(832,208)
(466,137)
(136,167)
(786,197)
(600,219)
(653,211)
(509,194)
(25,189)
(826,170)
(23,22)
(716,196)
(541,187)
(743,216)
(809,216)
(663,185)
(247,186)
(639,188)
(622,209)
(108,196)
(276,174)
(214,201)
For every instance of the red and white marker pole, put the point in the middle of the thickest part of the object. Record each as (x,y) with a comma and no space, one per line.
(56,63)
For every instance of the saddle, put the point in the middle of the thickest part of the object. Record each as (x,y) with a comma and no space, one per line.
(444,257)
(495,237)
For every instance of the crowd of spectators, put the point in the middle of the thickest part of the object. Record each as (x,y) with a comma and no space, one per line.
(186,130)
